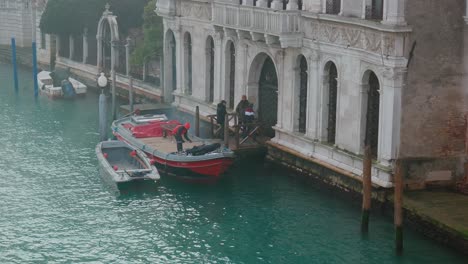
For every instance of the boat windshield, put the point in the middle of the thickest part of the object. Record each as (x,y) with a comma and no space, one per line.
(47,81)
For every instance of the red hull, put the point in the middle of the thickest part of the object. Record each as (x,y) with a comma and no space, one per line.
(211,168)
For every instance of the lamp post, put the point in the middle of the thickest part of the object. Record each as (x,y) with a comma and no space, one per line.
(102,83)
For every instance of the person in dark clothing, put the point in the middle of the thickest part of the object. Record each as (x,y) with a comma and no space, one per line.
(240,109)
(221,115)
(178,132)
(249,117)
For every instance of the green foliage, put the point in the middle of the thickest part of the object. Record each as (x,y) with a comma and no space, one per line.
(152,45)
(65,17)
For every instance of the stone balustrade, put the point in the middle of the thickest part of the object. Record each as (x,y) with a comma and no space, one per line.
(260,20)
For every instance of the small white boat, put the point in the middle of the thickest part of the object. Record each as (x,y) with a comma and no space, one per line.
(123,163)
(46,86)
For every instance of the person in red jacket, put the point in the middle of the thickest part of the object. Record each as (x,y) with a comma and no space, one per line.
(178,132)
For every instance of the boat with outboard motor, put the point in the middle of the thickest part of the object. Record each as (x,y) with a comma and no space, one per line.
(53,86)
(123,163)
(201,159)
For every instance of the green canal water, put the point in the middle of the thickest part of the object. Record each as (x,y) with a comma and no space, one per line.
(55,207)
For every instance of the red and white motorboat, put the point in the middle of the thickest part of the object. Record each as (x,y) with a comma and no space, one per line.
(202,159)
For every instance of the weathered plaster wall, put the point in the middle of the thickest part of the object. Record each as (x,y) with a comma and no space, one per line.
(15,21)
(433,100)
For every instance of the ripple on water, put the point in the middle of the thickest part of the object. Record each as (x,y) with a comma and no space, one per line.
(55,207)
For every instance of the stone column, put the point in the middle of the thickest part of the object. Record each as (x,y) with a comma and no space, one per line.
(113,53)
(394,13)
(365,3)
(71,45)
(314,6)
(277,4)
(313,95)
(218,60)
(292,5)
(99,52)
(57,46)
(262,3)
(390,114)
(85,46)
(242,85)
(279,63)
(127,56)
(179,61)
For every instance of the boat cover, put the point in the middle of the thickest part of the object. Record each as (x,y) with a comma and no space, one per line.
(154,129)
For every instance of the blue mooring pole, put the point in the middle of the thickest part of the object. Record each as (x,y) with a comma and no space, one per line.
(13,59)
(36,88)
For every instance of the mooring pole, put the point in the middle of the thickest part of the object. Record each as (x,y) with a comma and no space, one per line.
(34,50)
(366,188)
(102,117)
(398,207)
(226,131)
(236,121)
(197,121)
(130,95)
(13,60)
(36,87)
(114,110)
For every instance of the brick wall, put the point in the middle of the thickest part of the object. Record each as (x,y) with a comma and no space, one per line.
(433,104)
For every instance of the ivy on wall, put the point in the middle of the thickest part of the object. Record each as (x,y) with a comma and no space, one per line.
(152,44)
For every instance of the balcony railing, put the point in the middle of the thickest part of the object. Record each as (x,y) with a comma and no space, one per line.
(262,20)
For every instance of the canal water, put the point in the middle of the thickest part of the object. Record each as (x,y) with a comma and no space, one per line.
(55,207)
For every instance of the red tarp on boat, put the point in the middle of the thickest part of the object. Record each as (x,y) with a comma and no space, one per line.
(151,130)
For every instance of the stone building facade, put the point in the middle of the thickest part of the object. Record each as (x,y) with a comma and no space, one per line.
(326,75)
(16,21)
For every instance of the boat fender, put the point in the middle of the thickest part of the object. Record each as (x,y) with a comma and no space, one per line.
(105,155)
(133,153)
(115,167)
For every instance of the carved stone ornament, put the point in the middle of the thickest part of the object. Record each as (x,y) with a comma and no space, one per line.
(351,36)
(196,10)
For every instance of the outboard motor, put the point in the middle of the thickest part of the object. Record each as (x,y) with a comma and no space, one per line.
(67,89)
(203,149)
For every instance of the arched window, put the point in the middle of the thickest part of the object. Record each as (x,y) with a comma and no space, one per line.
(332,102)
(374,9)
(303,82)
(372,114)
(210,68)
(231,63)
(188,63)
(333,7)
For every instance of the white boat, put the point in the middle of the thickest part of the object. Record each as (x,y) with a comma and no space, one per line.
(46,86)
(124,163)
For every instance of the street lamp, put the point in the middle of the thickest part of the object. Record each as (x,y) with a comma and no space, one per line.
(102,83)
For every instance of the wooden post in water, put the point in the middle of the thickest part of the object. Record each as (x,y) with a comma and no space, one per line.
(236,121)
(366,188)
(197,121)
(13,60)
(114,107)
(130,93)
(34,49)
(212,126)
(226,131)
(398,207)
